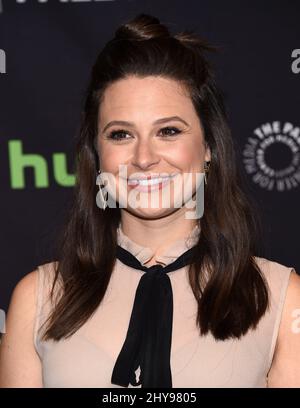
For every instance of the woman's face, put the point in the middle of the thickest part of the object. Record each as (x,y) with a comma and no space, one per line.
(158,134)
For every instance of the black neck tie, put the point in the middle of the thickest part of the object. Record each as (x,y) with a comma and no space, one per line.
(148,340)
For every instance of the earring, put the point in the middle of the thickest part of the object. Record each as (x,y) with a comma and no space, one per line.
(101,200)
(206,170)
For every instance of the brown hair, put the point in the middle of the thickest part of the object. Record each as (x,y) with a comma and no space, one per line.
(233,296)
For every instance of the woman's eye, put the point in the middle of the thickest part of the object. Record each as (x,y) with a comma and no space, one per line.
(171,129)
(116,134)
(120,134)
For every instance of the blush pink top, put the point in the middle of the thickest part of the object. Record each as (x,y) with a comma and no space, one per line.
(87,358)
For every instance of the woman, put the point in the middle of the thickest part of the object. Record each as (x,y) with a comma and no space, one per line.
(155,296)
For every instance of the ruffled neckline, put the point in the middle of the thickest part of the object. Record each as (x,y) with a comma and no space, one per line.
(171,253)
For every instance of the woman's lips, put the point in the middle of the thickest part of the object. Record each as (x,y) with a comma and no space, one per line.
(147,186)
(150,187)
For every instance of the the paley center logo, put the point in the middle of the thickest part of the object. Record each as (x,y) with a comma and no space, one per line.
(58,1)
(272,156)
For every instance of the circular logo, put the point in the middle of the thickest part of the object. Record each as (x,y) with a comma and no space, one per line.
(272,156)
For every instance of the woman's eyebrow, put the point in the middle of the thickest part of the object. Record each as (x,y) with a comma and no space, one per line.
(158,121)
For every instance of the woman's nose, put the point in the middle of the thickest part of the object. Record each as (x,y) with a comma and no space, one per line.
(145,154)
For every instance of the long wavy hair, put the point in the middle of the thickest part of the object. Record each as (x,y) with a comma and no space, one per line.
(229,287)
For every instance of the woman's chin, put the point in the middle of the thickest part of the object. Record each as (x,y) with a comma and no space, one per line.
(151,213)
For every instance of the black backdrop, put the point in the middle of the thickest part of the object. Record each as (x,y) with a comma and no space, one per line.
(47,49)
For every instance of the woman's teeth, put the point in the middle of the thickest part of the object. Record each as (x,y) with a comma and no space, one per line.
(150,182)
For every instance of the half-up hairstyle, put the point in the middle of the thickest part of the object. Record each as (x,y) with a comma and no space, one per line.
(228,285)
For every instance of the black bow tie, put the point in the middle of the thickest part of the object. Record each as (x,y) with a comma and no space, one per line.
(148,340)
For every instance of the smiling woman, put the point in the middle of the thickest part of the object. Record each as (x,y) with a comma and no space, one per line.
(151,148)
(152,297)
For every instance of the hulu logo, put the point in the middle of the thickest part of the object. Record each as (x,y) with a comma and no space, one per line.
(19,161)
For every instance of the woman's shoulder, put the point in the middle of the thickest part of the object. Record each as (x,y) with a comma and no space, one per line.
(20,365)
(274,271)
(267,262)
(46,275)
(284,284)
(48,268)
(285,294)
(35,280)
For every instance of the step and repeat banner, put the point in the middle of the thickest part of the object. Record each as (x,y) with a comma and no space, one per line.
(47,49)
